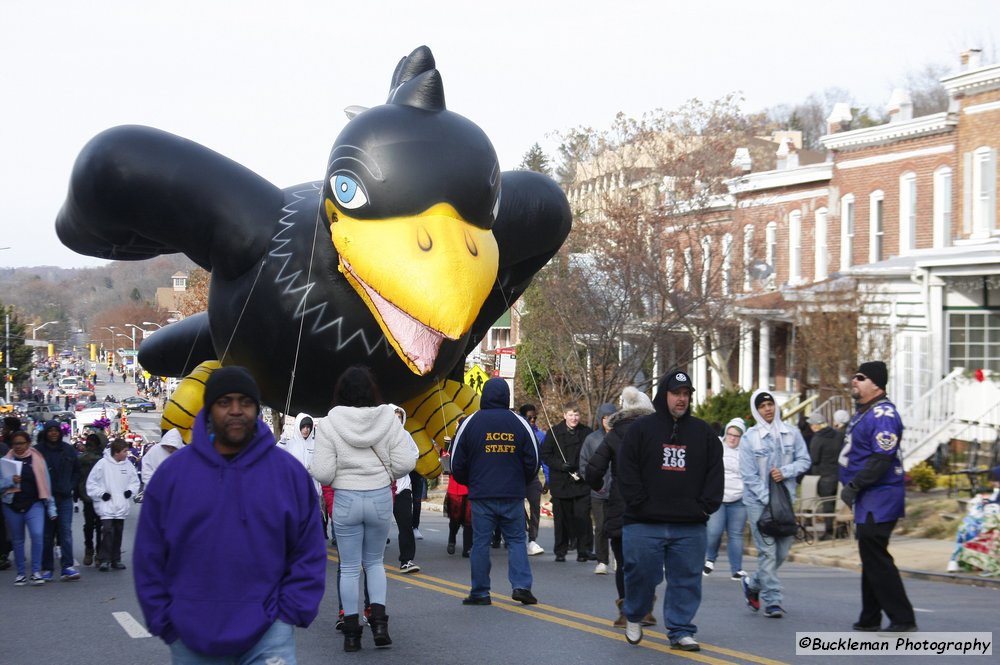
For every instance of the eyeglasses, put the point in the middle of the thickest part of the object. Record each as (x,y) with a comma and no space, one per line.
(859,378)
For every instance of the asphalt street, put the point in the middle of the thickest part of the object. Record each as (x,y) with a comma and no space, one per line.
(97,621)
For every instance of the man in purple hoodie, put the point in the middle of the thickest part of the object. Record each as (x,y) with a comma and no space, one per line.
(229,554)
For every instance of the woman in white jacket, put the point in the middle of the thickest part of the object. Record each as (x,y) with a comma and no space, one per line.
(361,448)
(731,516)
(110,485)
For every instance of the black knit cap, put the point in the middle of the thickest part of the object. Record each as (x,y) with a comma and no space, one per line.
(761,398)
(232,379)
(876,371)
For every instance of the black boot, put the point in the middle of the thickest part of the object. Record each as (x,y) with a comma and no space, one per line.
(380,625)
(352,633)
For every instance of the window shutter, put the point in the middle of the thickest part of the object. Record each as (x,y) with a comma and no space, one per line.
(967,176)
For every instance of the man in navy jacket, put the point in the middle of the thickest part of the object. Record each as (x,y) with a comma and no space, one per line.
(496,455)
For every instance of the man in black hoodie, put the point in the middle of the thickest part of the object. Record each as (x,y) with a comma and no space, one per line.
(670,474)
(64,474)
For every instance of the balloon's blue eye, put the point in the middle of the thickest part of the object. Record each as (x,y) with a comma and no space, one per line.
(349,193)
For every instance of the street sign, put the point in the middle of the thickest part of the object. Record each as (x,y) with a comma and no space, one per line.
(506,362)
(475,377)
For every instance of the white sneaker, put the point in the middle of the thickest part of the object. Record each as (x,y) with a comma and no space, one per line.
(601,569)
(709,567)
(953,566)
(409,567)
(534,548)
(417,534)
(738,575)
(633,632)
(686,643)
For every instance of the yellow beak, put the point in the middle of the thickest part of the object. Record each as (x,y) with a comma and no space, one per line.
(424,278)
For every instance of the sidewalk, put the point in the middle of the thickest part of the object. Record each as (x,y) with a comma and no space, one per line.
(920,558)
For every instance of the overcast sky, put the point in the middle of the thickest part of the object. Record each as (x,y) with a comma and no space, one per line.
(265,82)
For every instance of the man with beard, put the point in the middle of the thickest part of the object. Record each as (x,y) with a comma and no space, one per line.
(872,473)
(229,553)
(670,474)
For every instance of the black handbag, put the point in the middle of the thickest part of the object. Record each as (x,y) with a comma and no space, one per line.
(778,518)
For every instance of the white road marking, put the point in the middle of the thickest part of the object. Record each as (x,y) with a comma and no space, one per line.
(134,629)
(920,609)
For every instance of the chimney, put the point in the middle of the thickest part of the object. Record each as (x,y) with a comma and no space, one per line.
(788,156)
(900,106)
(742,160)
(840,118)
(971,59)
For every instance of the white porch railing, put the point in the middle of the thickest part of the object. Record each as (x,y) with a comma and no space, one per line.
(927,419)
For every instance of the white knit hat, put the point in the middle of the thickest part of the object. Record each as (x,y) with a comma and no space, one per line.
(632,398)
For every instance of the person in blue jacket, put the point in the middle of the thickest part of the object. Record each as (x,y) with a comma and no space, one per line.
(871,471)
(229,554)
(496,455)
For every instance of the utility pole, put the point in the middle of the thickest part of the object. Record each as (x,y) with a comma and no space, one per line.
(6,355)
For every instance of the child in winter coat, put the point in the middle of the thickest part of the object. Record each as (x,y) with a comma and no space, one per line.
(110,485)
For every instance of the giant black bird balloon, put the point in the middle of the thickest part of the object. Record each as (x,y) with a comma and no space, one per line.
(401,258)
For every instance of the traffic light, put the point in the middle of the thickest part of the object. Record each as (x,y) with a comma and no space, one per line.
(1,357)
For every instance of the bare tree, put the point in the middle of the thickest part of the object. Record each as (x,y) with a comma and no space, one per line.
(648,273)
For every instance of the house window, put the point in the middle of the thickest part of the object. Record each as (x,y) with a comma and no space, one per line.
(669,268)
(794,247)
(747,255)
(706,264)
(727,263)
(820,259)
(688,265)
(942,207)
(846,231)
(984,185)
(907,212)
(771,252)
(876,227)
(974,340)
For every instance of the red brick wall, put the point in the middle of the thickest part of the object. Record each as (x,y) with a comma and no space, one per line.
(974,131)
(862,181)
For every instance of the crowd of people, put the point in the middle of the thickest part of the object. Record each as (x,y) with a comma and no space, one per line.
(648,494)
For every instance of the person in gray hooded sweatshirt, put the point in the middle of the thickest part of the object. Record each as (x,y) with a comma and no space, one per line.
(769,449)
(598,497)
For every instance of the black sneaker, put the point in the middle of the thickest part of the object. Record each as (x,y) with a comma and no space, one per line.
(451,548)
(900,628)
(524,596)
(477,600)
(560,558)
(774,612)
(866,627)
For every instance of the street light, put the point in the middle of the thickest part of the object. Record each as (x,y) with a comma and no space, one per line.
(151,323)
(127,337)
(145,333)
(37,328)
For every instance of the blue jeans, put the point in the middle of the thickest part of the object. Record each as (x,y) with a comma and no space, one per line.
(771,553)
(508,514)
(275,647)
(361,521)
(649,549)
(732,518)
(34,519)
(64,524)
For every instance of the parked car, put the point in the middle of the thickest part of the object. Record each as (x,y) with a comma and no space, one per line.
(139,404)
